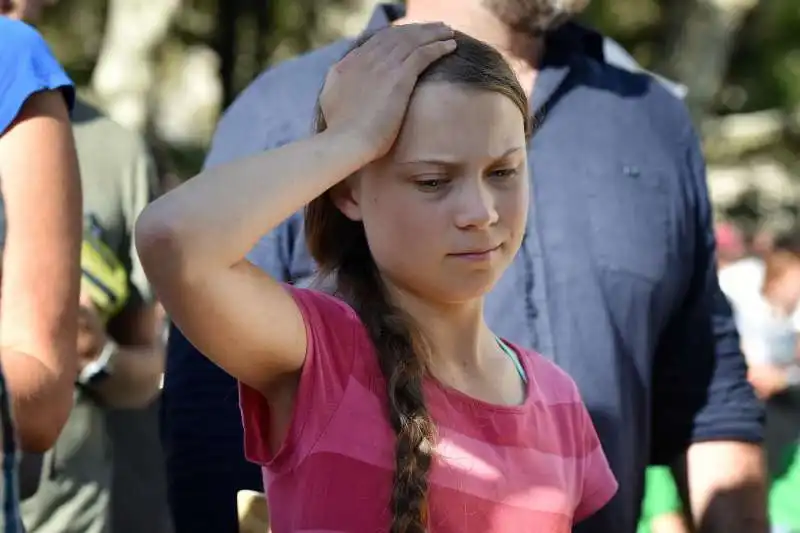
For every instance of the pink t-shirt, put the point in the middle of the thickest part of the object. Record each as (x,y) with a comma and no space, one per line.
(497,469)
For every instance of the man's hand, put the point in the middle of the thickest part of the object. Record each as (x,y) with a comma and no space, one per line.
(138,356)
(726,486)
(767,380)
(91,333)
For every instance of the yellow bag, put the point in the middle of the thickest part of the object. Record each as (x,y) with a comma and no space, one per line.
(103,276)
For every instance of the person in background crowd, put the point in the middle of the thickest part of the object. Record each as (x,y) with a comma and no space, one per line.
(615,282)
(40,240)
(120,345)
(107,464)
(765,293)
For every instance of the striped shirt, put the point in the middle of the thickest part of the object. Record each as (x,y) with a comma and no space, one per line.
(537,466)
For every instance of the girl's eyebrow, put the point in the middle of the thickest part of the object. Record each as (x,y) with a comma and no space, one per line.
(446,162)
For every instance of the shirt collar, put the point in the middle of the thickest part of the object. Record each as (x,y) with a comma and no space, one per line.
(383,15)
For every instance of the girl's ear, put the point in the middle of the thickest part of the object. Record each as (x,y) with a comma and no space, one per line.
(346,197)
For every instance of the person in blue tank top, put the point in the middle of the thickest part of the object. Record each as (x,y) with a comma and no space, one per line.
(40,224)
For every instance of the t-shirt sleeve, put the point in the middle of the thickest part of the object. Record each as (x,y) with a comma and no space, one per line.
(27,66)
(597,482)
(332,335)
(141,187)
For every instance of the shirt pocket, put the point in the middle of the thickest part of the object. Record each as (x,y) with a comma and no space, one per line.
(629,219)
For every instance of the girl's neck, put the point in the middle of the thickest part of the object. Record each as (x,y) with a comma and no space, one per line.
(456,334)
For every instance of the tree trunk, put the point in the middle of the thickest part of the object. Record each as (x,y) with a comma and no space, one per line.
(227,47)
(125,74)
(700,40)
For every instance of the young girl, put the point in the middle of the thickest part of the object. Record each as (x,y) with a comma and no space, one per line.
(389,406)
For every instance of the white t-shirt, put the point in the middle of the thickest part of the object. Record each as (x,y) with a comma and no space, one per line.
(768,336)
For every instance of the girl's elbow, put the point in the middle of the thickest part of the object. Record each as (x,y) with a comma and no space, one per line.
(166,254)
(156,241)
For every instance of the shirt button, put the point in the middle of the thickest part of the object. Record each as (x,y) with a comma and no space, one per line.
(631,171)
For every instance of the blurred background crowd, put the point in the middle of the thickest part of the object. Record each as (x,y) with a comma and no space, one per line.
(164,70)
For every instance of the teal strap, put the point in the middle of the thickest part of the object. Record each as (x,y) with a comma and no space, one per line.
(514,358)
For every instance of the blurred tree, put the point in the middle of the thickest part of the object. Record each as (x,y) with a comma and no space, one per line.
(698,44)
(125,72)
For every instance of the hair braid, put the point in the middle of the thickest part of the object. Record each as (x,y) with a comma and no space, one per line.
(398,346)
(340,247)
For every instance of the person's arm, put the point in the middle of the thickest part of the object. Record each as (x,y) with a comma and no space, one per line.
(193,241)
(201,426)
(201,420)
(135,340)
(132,341)
(38,310)
(201,423)
(702,399)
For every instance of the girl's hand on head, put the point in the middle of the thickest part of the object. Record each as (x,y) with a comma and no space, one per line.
(366,94)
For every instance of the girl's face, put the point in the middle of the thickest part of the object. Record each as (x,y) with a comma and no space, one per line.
(445,210)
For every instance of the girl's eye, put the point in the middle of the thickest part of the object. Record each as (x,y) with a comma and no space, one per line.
(504,173)
(431,185)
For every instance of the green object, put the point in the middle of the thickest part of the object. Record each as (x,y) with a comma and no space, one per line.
(784,493)
(660,496)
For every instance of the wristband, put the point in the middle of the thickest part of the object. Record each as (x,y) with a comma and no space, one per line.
(102,367)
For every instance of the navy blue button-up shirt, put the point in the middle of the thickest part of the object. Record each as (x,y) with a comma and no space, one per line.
(616,280)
